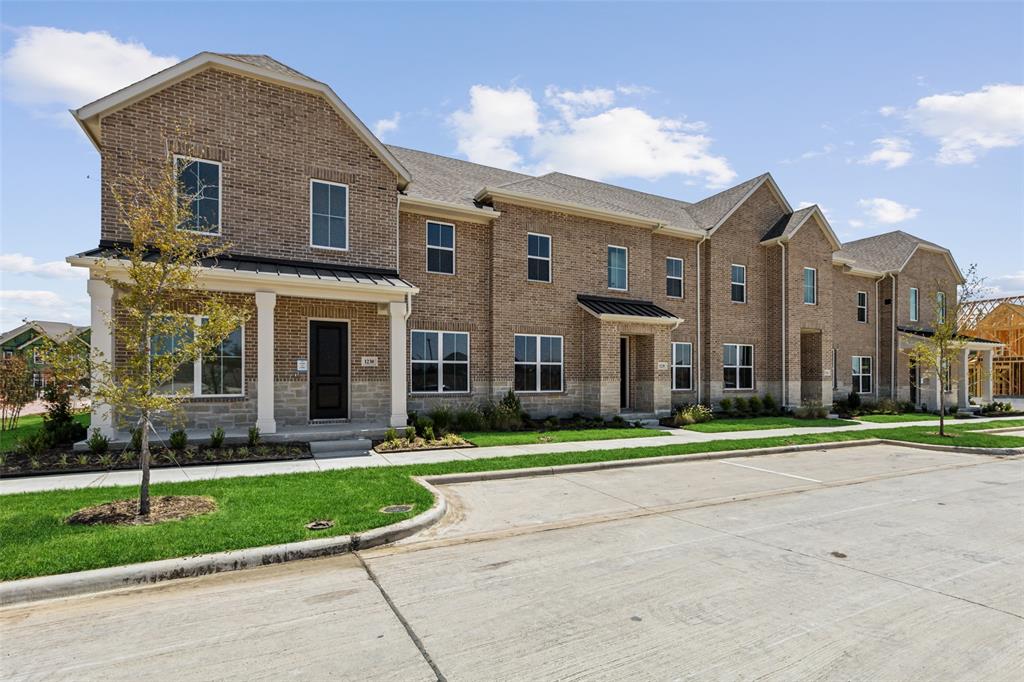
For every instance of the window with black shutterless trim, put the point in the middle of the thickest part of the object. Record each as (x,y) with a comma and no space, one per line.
(538,257)
(440,362)
(538,363)
(440,248)
(674,277)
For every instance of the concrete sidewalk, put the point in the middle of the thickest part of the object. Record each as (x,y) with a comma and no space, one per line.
(372,459)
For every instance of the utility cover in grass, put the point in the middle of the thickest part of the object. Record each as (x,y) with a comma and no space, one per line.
(126,512)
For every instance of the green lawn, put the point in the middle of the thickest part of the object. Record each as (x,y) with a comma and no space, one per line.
(896,418)
(273,509)
(758,423)
(29,424)
(488,438)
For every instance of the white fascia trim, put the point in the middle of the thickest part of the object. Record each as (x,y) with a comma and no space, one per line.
(14,333)
(582,210)
(445,209)
(218,279)
(635,319)
(89,116)
(771,185)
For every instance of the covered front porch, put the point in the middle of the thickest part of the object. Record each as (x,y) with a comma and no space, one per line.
(969,377)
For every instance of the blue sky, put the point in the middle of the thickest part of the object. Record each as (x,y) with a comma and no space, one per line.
(890,116)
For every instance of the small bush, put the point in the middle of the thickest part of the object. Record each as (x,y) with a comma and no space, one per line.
(811,411)
(511,402)
(617,421)
(390,436)
(755,406)
(217,438)
(98,443)
(726,406)
(442,419)
(768,404)
(887,406)
(136,443)
(468,419)
(178,440)
(502,416)
(33,444)
(853,401)
(550,424)
(254,436)
(742,407)
(421,426)
(428,432)
(410,433)
(692,414)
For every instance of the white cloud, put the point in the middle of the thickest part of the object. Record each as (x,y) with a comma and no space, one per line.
(495,118)
(20,264)
(825,150)
(50,69)
(854,223)
(635,89)
(893,152)
(33,304)
(966,125)
(888,111)
(585,135)
(887,211)
(387,125)
(1006,285)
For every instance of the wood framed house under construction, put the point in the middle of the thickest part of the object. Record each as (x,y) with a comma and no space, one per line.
(1002,320)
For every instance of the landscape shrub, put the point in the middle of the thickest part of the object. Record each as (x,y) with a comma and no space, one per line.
(390,436)
(888,406)
(442,419)
(217,437)
(428,432)
(98,443)
(254,436)
(468,419)
(726,406)
(59,422)
(755,406)
(410,433)
(421,425)
(853,401)
(811,410)
(742,407)
(692,414)
(178,440)
(511,402)
(33,444)
(769,406)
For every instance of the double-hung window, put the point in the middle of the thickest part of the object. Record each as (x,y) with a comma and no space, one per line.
(914,310)
(328,219)
(538,257)
(674,277)
(440,362)
(440,248)
(199,180)
(738,282)
(862,306)
(538,363)
(218,373)
(862,374)
(940,299)
(618,268)
(737,367)
(682,367)
(810,286)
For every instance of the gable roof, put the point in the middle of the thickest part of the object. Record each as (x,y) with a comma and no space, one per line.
(55,331)
(890,252)
(256,66)
(788,225)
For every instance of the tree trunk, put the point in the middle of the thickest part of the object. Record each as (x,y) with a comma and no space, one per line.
(942,395)
(144,463)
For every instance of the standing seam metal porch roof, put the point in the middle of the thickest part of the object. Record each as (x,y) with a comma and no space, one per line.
(606,305)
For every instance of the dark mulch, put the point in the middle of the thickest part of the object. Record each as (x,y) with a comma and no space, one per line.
(126,512)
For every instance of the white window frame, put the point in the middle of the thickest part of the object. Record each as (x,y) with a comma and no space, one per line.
(608,266)
(857,370)
(914,304)
(441,362)
(220,192)
(36,360)
(940,300)
(862,307)
(197,368)
(348,232)
(814,286)
(675,366)
(680,278)
(538,364)
(738,366)
(732,282)
(548,258)
(426,241)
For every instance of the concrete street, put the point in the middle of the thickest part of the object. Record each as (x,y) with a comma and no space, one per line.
(863,563)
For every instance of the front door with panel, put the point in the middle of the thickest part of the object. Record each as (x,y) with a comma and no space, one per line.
(328,370)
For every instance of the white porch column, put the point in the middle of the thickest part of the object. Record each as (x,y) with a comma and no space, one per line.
(101,297)
(399,387)
(986,379)
(265,302)
(963,394)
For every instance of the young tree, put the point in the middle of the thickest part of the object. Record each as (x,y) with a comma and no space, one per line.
(163,319)
(16,390)
(935,353)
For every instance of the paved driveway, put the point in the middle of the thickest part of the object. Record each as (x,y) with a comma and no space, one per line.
(860,563)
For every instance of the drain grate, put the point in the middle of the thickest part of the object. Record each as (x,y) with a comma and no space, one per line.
(320,524)
(397,509)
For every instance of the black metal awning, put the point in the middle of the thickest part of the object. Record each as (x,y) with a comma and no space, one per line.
(607,305)
(928,333)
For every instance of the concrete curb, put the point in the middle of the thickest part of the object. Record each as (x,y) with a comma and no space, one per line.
(114,577)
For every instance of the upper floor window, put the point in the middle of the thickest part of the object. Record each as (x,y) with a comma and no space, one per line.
(738,280)
(682,367)
(914,311)
(810,286)
(737,366)
(200,181)
(328,202)
(618,268)
(440,362)
(440,248)
(538,257)
(538,363)
(862,373)
(37,358)
(862,306)
(940,299)
(674,277)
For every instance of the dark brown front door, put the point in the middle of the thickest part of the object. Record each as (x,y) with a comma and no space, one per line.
(623,372)
(328,370)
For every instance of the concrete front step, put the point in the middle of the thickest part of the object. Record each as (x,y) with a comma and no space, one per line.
(349,446)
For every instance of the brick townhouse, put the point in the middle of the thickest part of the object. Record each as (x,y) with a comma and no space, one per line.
(382,279)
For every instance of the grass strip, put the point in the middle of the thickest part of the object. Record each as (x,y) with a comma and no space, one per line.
(31,423)
(897,418)
(489,438)
(266,510)
(760,423)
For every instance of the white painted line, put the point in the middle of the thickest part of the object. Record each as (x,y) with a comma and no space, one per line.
(769,471)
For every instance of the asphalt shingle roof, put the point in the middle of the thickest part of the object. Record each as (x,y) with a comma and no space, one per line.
(266,62)
(787,223)
(443,178)
(883,252)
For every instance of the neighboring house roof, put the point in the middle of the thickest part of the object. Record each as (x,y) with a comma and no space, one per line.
(620,307)
(257,66)
(890,252)
(55,331)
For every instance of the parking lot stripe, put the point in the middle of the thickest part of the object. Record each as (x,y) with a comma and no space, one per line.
(769,471)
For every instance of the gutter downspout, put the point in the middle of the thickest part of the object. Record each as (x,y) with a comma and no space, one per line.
(878,331)
(784,392)
(892,352)
(700,365)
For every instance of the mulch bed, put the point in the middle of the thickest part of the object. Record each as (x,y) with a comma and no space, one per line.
(419,445)
(126,512)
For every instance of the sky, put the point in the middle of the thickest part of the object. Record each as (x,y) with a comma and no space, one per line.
(890,115)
